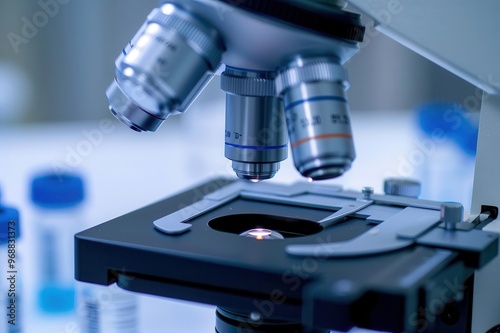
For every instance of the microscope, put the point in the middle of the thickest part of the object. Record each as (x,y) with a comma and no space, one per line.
(306,257)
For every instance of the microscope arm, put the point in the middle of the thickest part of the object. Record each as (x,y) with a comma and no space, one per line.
(460,36)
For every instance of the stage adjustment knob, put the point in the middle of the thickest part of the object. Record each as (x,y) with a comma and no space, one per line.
(402,187)
(451,214)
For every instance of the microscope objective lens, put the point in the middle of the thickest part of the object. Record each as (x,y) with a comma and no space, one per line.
(163,68)
(290,88)
(255,136)
(316,108)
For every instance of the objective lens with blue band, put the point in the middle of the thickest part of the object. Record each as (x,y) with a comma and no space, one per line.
(255,135)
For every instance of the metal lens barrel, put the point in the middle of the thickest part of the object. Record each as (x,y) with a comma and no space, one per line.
(163,68)
(316,108)
(255,136)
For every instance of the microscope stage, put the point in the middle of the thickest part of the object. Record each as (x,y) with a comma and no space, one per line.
(349,270)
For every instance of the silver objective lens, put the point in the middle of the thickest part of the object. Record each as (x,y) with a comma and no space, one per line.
(164,67)
(316,109)
(255,137)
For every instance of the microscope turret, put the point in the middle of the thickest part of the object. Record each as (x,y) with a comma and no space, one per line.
(280,65)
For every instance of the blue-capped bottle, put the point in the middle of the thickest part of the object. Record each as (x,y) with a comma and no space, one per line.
(10,288)
(58,208)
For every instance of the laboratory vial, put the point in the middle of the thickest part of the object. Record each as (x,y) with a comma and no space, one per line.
(107,309)
(10,287)
(58,207)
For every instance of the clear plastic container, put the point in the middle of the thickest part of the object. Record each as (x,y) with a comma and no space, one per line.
(10,287)
(107,309)
(57,200)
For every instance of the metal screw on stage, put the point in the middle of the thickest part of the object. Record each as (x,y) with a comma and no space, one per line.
(451,214)
(367,192)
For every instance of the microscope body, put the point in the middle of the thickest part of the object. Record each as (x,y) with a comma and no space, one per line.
(301,258)
(280,65)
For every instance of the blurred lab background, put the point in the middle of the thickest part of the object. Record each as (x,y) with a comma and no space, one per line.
(54,116)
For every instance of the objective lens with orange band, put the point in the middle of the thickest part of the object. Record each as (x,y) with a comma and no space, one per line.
(319,127)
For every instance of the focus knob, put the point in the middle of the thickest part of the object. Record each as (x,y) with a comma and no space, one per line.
(402,187)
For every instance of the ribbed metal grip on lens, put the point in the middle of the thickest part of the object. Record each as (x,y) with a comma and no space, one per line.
(247,86)
(208,42)
(310,72)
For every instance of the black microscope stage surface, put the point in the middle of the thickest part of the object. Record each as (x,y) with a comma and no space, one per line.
(317,255)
